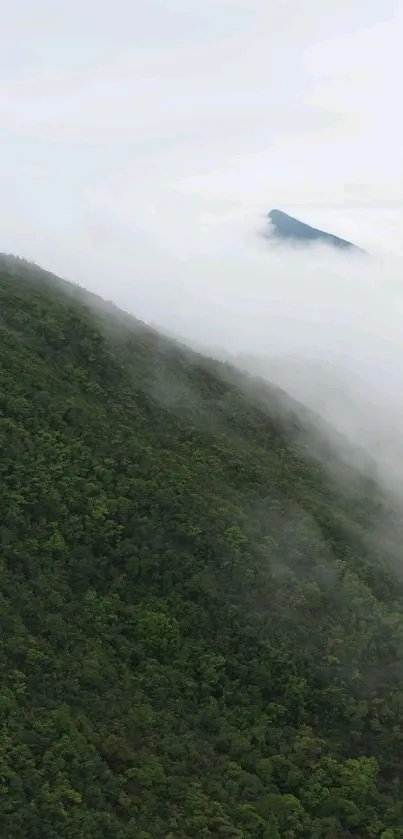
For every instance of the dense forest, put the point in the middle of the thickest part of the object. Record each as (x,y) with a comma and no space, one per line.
(200,634)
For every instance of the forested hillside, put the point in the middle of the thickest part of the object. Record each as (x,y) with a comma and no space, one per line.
(198,635)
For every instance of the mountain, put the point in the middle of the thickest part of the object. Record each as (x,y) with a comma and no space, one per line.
(201,628)
(291,229)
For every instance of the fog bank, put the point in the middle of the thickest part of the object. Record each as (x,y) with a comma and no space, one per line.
(324,325)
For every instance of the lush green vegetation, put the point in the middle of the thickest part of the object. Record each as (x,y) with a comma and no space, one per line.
(198,637)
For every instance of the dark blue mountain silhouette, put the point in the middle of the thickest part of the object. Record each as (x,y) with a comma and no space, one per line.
(291,229)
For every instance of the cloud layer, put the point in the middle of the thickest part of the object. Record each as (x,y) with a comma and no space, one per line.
(107,114)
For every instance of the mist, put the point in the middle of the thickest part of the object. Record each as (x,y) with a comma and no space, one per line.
(142,151)
(324,325)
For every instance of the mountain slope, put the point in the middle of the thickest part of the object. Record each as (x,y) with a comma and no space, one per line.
(198,636)
(291,229)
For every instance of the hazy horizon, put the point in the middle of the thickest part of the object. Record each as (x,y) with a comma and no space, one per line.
(135,127)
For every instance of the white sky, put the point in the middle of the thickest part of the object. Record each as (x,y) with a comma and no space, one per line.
(135,125)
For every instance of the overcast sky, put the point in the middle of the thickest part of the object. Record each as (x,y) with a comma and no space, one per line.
(133,125)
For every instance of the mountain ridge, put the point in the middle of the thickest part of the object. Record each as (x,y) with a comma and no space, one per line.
(288,228)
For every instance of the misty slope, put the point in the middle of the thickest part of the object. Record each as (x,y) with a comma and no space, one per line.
(291,229)
(198,638)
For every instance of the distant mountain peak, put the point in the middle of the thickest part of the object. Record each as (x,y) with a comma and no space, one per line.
(291,229)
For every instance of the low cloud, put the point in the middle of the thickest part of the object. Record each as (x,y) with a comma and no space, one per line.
(325,326)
